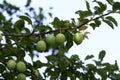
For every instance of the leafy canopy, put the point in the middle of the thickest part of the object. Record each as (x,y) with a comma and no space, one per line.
(17,40)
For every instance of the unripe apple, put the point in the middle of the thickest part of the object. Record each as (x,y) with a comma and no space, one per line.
(60,38)
(36,72)
(11,64)
(51,40)
(21,76)
(78,38)
(21,67)
(41,46)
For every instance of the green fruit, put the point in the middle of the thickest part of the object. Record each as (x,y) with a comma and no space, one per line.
(78,38)
(60,38)
(51,40)
(41,46)
(11,64)
(21,76)
(21,67)
(36,72)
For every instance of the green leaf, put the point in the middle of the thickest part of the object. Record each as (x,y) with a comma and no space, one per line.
(112,19)
(116,66)
(69,38)
(83,14)
(102,55)
(50,14)
(2,68)
(95,24)
(97,10)
(56,22)
(62,65)
(98,63)
(109,23)
(102,6)
(88,5)
(91,66)
(110,1)
(89,57)
(102,73)
(28,3)
(19,24)
(116,6)
(83,27)
(26,19)
(38,64)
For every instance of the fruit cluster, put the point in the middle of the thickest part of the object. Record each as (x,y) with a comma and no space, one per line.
(19,66)
(59,39)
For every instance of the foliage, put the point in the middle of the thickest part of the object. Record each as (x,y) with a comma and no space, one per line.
(17,40)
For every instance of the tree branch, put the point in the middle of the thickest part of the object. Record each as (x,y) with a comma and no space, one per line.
(64,29)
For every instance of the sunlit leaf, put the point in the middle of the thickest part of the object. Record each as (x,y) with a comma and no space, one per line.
(83,27)
(86,34)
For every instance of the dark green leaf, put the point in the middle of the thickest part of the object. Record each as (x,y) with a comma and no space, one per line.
(2,68)
(75,57)
(88,5)
(102,6)
(89,57)
(26,18)
(110,1)
(109,23)
(116,6)
(112,19)
(28,3)
(38,64)
(102,73)
(97,10)
(19,24)
(43,28)
(69,38)
(95,24)
(27,30)
(91,66)
(56,22)
(102,55)
(116,66)
(83,14)
(98,63)
(50,14)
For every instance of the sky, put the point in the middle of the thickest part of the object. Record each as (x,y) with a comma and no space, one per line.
(102,38)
